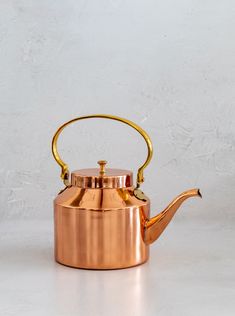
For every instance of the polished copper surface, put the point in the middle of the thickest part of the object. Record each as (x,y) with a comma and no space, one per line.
(100,228)
(156,225)
(94,178)
(90,178)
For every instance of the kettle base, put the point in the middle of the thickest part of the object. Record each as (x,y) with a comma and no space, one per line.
(102,268)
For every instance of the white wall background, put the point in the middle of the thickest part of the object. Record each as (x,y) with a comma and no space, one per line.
(167,65)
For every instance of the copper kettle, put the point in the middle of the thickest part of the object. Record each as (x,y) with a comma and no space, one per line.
(102,221)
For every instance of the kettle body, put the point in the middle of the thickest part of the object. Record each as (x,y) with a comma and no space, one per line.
(101,219)
(100,228)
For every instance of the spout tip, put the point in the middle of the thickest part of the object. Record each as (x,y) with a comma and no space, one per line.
(199,193)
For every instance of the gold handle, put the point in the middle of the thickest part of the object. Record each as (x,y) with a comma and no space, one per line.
(63,165)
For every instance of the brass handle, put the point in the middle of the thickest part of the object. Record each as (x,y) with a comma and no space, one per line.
(63,165)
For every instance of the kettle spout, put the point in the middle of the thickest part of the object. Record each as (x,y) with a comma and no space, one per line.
(156,225)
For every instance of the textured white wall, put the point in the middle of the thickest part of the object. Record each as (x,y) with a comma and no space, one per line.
(167,65)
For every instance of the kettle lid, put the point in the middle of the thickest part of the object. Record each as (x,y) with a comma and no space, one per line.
(102,177)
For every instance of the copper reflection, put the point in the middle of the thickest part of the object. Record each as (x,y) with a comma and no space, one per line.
(100,228)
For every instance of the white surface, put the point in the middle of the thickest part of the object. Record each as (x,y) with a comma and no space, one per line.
(191,272)
(167,65)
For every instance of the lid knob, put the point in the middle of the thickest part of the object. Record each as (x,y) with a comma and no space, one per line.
(102,164)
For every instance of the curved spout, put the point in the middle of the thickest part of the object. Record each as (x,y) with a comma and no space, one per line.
(156,225)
